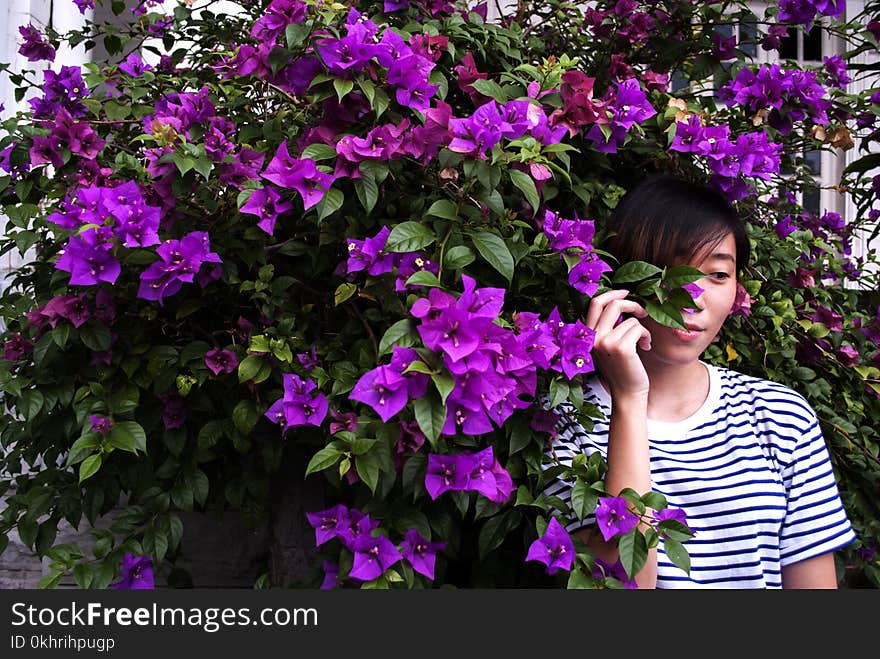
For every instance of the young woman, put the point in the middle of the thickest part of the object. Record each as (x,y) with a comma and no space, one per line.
(743,457)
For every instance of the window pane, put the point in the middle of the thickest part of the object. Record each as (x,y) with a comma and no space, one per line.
(748,36)
(811,200)
(789,49)
(813,45)
(725,30)
(814,161)
(679,81)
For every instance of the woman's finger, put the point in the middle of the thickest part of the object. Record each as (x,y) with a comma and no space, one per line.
(612,311)
(598,303)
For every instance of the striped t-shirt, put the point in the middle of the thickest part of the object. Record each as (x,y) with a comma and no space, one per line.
(749,468)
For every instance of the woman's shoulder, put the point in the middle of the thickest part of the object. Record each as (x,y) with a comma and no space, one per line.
(762,394)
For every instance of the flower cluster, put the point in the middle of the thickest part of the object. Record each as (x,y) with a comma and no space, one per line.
(137,573)
(64,89)
(804,11)
(478,472)
(387,389)
(373,555)
(370,255)
(624,106)
(790,95)
(181,260)
(478,133)
(576,236)
(300,405)
(35,47)
(734,163)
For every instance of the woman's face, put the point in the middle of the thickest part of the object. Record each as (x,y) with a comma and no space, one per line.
(680,347)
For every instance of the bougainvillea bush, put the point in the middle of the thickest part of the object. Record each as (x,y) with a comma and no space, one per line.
(371,231)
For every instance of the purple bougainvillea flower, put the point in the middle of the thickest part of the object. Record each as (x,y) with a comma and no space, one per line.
(134,65)
(137,573)
(328,523)
(88,257)
(742,304)
(420,553)
(355,526)
(372,557)
(331,575)
(614,517)
(180,262)
(447,472)
(267,204)
(309,360)
(383,390)
(603,569)
(480,478)
(299,406)
(101,424)
(554,549)
(35,47)
(676,514)
(344,421)
(301,175)
(221,361)
(695,291)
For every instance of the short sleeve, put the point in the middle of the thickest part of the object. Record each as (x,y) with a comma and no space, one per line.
(562,450)
(815,521)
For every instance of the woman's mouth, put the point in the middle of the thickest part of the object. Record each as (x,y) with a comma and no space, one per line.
(690,334)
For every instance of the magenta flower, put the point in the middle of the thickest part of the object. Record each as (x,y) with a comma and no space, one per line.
(671,513)
(137,573)
(299,174)
(742,305)
(101,424)
(35,47)
(221,361)
(554,549)
(420,553)
(267,204)
(300,405)
(614,517)
(603,569)
(331,575)
(180,262)
(447,472)
(344,421)
(134,65)
(386,389)
(328,523)
(372,557)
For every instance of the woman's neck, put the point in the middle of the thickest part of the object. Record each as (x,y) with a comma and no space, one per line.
(676,391)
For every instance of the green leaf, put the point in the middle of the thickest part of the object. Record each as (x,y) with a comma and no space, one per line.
(295,34)
(249,367)
(122,439)
(342,87)
(409,237)
(326,457)
(634,271)
(402,333)
(458,257)
(495,530)
(654,500)
(31,403)
(95,336)
(559,390)
(676,553)
(424,278)
(443,208)
(492,248)
(577,580)
(491,89)
(430,415)
(583,499)
(343,292)
(318,152)
(525,183)
(367,467)
(83,574)
(633,552)
(83,447)
(665,314)
(89,467)
(49,581)
(444,383)
(330,203)
(679,275)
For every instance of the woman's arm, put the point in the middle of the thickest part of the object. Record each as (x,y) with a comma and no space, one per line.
(815,572)
(629,463)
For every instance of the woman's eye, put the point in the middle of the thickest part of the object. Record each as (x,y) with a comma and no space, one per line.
(720,276)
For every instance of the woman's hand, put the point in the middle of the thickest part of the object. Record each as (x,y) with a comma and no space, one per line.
(614,350)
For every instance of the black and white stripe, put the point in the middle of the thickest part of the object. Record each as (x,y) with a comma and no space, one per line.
(750,469)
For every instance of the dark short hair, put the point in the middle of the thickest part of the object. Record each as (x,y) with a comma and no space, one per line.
(666,220)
